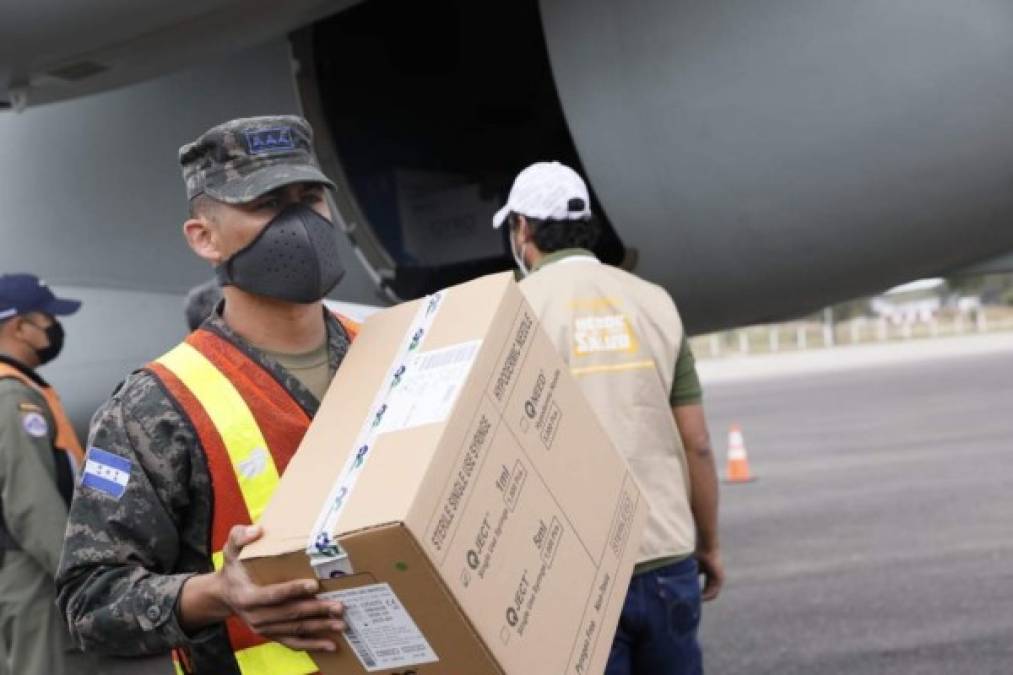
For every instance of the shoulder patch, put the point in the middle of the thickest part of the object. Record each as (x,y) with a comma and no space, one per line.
(106,472)
(29,407)
(34,424)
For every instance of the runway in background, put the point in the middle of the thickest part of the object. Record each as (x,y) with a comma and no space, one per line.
(879,536)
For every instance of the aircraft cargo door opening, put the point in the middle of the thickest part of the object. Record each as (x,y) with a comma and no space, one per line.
(432,109)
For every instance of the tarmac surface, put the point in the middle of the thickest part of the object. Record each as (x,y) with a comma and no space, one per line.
(878,537)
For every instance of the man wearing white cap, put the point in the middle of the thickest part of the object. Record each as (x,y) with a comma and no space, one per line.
(623,339)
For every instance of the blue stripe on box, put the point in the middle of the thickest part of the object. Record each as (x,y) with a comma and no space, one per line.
(109,459)
(102,485)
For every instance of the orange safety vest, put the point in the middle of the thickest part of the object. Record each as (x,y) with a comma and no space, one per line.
(249,426)
(66,437)
(351,327)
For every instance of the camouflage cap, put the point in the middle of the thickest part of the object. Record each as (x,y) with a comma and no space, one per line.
(239,160)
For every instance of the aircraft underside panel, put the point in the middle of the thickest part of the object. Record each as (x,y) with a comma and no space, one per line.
(768,158)
(93,201)
(91,188)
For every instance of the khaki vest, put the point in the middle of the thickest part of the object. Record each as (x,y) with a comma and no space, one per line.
(620,336)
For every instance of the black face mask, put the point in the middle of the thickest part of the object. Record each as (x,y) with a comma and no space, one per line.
(294,258)
(54,333)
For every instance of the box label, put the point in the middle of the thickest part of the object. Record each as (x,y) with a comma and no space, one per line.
(458,489)
(540,409)
(380,631)
(513,357)
(525,538)
(426,386)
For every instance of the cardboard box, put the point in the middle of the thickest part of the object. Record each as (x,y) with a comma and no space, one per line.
(483,521)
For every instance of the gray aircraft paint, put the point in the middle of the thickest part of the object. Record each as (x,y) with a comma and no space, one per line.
(791,153)
(93,202)
(52,50)
(763,161)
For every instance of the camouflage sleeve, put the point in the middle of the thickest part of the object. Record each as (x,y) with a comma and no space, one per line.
(117,584)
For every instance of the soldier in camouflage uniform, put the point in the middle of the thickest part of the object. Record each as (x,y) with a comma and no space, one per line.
(137,576)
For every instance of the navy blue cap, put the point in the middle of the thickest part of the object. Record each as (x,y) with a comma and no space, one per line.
(24,293)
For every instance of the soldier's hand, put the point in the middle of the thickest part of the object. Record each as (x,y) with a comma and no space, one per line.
(288,612)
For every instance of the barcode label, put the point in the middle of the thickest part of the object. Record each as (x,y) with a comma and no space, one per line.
(449,356)
(427,386)
(380,630)
(360,649)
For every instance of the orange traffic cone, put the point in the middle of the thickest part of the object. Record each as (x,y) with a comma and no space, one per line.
(738,463)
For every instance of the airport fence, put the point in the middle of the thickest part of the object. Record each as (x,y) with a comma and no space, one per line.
(816,333)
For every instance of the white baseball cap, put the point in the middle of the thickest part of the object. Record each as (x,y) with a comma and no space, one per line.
(547,191)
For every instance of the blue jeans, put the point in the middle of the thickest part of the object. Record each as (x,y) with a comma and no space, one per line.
(657,628)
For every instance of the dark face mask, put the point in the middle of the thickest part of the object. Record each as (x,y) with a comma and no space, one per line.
(294,258)
(54,334)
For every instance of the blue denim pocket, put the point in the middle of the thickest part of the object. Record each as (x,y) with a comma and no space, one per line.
(679,591)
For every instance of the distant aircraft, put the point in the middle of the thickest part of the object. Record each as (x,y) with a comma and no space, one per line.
(759,160)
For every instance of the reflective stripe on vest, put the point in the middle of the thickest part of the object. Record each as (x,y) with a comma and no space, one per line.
(231,417)
(270,657)
(66,437)
(249,427)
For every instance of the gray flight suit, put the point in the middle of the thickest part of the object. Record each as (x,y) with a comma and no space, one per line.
(33,633)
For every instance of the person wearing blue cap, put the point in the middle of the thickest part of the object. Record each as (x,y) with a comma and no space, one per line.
(39,456)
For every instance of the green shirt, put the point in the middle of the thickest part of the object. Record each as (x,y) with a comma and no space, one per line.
(686,388)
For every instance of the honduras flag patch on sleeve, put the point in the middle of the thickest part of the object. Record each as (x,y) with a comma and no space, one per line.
(106,472)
